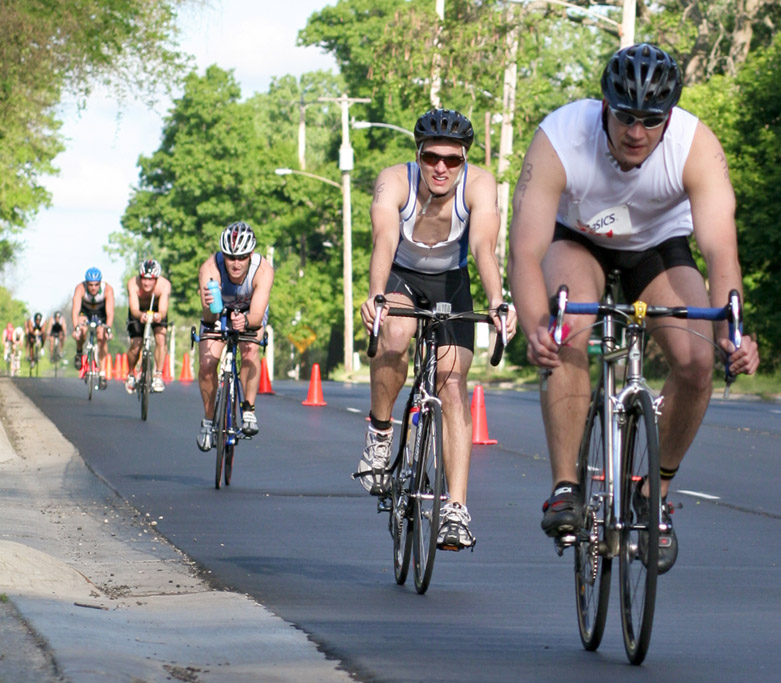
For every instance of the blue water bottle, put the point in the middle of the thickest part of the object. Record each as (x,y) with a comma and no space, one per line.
(216,305)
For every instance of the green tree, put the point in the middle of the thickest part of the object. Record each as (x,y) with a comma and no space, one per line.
(49,47)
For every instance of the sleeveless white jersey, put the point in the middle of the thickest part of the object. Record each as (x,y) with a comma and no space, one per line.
(438,258)
(629,210)
(238,296)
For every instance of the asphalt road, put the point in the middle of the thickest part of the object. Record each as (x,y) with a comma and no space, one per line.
(296,533)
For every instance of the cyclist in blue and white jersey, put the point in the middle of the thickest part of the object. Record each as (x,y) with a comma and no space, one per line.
(93,297)
(623,183)
(245,280)
(426,216)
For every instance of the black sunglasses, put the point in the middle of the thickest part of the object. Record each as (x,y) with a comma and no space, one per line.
(649,122)
(229,257)
(451,160)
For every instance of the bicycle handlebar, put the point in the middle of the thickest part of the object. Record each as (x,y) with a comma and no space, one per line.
(440,315)
(732,312)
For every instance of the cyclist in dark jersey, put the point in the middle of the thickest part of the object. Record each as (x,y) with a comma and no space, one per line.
(56,330)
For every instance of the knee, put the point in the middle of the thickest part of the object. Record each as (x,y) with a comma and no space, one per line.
(695,371)
(394,341)
(207,365)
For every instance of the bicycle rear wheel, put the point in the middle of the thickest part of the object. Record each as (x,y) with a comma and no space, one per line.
(639,546)
(428,489)
(592,565)
(401,523)
(220,433)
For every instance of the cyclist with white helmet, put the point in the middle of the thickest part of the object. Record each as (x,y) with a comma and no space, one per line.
(622,184)
(426,215)
(245,279)
(93,297)
(140,289)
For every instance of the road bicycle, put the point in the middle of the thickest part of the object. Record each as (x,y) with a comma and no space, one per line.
(144,379)
(228,415)
(56,355)
(618,451)
(35,359)
(418,487)
(90,365)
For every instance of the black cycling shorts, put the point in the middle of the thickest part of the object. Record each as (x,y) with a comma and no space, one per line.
(451,286)
(99,312)
(135,328)
(638,268)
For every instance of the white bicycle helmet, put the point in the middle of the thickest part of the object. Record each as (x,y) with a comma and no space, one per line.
(237,239)
(150,268)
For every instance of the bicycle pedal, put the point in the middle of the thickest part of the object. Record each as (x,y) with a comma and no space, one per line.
(384,505)
(561,543)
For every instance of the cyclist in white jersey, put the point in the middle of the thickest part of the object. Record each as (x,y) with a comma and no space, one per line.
(623,183)
(425,216)
(245,280)
(93,297)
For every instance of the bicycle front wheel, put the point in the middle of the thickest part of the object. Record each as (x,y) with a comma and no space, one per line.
(639,546)
(220,433)
(401,523)
(429,486)
(592,564)
(232,430)
(145,385)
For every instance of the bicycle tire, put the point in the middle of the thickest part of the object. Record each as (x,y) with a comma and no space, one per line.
(401,521)
(638,574)
(593,567)
(145,386)
(428,488)
(231,431)
(55,358)
(220,434)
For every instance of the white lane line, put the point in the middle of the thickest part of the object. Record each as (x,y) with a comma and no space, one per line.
(698,494)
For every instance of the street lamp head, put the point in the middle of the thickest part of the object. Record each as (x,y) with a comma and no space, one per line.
(283,171)
(361,124)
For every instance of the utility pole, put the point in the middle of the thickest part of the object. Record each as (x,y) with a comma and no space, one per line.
(436,62)
(345,166)
(628,23)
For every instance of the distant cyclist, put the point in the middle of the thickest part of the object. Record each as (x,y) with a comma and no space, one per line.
(56,330)
(34,330)
(8,340)
(93,297)
(140,290)
(245,279)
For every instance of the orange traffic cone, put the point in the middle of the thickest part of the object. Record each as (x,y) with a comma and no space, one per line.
(118,368)
(265,380)
(125,368)
(315,396)
(479,423)
(186,375)
(167,376)
(106,367)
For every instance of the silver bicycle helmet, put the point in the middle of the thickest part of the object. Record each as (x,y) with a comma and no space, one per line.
(237,239)
(150,268)
(642,77)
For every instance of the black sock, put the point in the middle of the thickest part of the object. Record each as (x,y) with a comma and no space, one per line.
(382,425)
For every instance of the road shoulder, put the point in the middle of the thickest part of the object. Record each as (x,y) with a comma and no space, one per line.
(92,592)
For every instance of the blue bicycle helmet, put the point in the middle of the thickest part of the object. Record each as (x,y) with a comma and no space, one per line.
(93,275)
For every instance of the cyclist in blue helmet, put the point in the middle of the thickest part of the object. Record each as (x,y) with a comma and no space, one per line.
(93,297)
(623,183)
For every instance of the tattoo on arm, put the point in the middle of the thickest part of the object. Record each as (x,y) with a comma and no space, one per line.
(523,182)
(723,161)
(378,190)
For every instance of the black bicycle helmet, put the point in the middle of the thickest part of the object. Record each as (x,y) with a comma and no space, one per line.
(642,77)
(446,124)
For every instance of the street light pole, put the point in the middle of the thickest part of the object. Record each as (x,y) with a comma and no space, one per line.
(374,124)
(346,165)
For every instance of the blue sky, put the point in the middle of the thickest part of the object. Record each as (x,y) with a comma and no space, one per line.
(255,38)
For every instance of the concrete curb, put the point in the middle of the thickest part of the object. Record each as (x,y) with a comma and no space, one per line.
(96,595)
